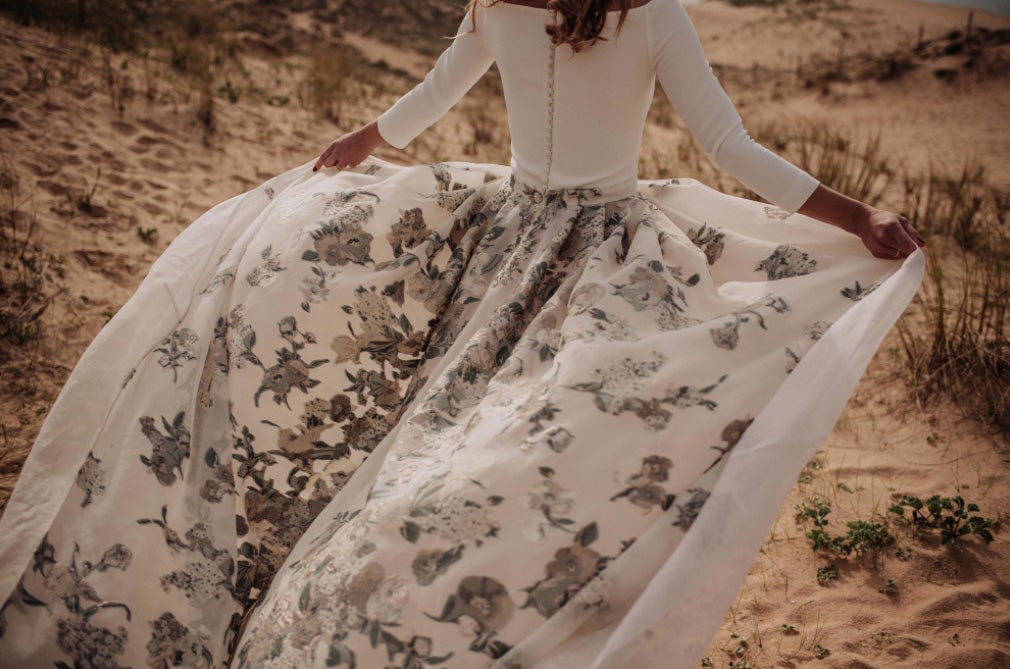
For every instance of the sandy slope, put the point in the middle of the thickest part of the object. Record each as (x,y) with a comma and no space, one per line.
(59,124)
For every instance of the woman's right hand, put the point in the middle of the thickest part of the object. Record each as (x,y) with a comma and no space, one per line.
(351,149)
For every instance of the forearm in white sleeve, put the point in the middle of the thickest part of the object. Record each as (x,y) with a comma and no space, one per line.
(456,71)
(696,94)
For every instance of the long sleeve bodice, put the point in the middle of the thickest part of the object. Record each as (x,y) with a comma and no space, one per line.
(577,119)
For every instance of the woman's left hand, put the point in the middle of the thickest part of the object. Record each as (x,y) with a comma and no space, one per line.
(888,235)
(351,149)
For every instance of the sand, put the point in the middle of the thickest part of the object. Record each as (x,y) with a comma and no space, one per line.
(69,109)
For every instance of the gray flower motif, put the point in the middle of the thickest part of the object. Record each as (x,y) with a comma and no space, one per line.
(786,261)
(731,435)
(481,598)
(289,373)
(726,337)
(91,479)
(554,437)
(408,232)
(202,581)
(240,339)
(643,487)
(315,287)
(647,496)
(572,567)
(222,278)
(172,644)
(265,271)
(816,330)
(176,349)
(646,289)
(429,564)
(88,645)
(688,512)
(168,449)
(116,557)
(656,468)
(453,199)
(288,327)
(443,177)
(709,240)
(365,432)
(343,240)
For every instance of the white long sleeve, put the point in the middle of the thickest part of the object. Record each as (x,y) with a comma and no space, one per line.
(696,94)
(458,68)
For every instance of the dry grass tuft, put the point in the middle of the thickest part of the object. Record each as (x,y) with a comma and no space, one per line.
(958,344)
(28,275)
(334,75)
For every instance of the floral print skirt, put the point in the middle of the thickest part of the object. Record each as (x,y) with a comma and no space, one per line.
(409,417)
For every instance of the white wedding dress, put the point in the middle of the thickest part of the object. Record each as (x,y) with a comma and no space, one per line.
(456,415)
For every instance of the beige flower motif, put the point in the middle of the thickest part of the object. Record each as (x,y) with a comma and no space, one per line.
(346,348)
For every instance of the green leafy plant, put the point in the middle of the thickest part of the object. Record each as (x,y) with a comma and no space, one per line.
(862,536)
(147,234)
(229,91)
(827,574)
(889,588)
(951,515)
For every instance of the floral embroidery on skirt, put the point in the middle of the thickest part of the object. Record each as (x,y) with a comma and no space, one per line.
(538,380)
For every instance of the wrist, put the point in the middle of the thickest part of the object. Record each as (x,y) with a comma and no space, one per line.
(374,137)
(859,218)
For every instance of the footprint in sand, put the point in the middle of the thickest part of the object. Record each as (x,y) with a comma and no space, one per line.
(52,187)
(153,126)
(123,128)
(42,170)
(153,209)
(114,266)
(155,165)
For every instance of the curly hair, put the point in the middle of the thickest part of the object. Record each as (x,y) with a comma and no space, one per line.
(578,23)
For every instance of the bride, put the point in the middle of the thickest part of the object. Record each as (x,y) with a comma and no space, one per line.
(458,415)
